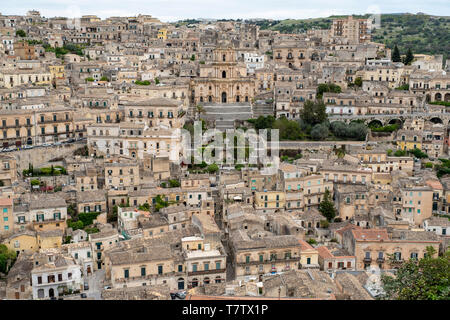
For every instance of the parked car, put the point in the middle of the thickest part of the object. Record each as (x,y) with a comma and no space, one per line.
(28,146)
(83,295)
(107,287)
(86,286)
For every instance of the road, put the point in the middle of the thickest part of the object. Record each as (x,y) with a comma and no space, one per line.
(95,285)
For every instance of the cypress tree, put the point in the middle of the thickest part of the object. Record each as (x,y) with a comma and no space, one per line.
(396,55)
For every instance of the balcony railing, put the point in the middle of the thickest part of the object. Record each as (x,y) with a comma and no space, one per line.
(266,261)
(367,260)
(202,272)
(380,260)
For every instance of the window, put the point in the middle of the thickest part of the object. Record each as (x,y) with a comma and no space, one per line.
(180,268)
(217,265)
(126,273)
(143,271)
(160,269)
(194,267)
(206,266)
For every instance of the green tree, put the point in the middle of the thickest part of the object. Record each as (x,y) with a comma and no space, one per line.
(326,207)
(173,183)
(418,153)
(409,57)
(144,207)
(424,279)
(160,203)
(358,82)
(313,112)
(156,81)
(7,258)
(104,78)
(320,131)
(395,57)
(212,168)
(327,87)
(21,33)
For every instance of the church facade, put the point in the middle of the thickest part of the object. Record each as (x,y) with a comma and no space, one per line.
(224,80)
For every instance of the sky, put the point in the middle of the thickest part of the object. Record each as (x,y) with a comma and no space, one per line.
(173,10)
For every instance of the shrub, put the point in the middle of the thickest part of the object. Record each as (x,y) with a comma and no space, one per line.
(173,183)
(212,168)
(324,224)
(428,165)
(400,153)
(87,218)
(312,241)
(21,33)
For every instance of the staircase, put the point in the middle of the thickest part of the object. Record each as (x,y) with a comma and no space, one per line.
(262,110)
(224,115)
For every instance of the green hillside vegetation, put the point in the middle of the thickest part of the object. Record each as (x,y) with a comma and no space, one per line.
(422,33)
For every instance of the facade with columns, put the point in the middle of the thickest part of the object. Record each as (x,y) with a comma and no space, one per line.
(224,80)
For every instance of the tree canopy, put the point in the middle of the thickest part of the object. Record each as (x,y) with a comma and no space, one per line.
(313,112)
(326,206)
(395,57)
(21,33)
(327,87)
(409,57)
(7,258)
(424,279)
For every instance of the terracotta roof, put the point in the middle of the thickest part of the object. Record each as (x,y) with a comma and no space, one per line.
(324,252)
(6,202)
(370,234)
(304,246)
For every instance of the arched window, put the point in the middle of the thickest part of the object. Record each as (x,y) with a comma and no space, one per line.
(209,99)
(224,58)
(201,99)
(224,74)
(224,97)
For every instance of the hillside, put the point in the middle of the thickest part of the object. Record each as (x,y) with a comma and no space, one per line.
(422,33)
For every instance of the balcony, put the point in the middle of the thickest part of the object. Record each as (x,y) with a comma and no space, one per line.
(54,121)
(203,272)
(380,260)
(367,260)
(267,261)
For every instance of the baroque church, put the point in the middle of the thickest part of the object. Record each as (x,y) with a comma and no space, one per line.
(224,80)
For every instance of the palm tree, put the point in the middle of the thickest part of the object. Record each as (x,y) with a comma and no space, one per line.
(198,111)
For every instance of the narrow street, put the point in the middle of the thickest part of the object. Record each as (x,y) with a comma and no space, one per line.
(95,284)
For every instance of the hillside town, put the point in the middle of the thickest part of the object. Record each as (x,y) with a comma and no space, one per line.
(100,201)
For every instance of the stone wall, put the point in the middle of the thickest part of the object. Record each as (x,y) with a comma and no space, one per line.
(40,157)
